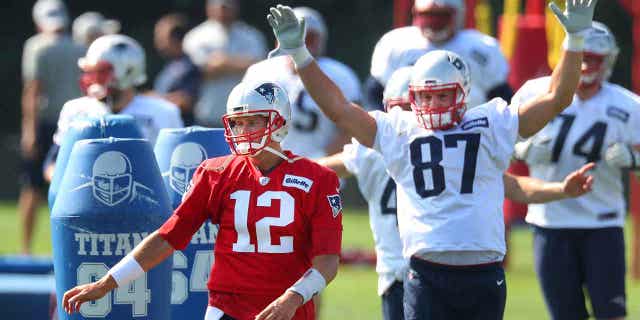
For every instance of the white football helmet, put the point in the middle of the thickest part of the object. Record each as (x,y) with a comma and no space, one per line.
(439,19)
(600,54)
(435,74)
(257,98)
(315,23)
(396,92)
(112,62)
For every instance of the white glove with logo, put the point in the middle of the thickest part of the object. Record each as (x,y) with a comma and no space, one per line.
(621,155)
(290,32)
(534,151)
(577,18)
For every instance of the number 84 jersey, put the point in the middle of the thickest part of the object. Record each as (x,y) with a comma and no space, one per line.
(449,183)
(271,226)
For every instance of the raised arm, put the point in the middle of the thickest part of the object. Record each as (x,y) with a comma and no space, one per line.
(532,190)
(535,114)
(146,255)
(350,117)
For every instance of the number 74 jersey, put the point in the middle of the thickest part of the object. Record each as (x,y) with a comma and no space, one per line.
(581,134)
(271,226)
(449,183)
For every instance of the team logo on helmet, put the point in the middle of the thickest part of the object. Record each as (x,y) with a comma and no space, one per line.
(268,91)
(185,159)
(112,180)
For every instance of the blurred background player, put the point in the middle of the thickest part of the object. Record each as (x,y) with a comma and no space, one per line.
(453,236)
(311,133)
(179,79)
(223,47)
(437,25)
(579,243)
(90,26)
(380,192)
(258,193)
(50,78)
(112,69)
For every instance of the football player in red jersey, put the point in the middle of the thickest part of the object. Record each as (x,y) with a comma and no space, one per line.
(279,216)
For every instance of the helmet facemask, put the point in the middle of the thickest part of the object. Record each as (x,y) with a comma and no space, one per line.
(97,80)
(252,143)
(438,23)
(438,106)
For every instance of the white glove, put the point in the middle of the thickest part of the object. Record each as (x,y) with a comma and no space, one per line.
(577,16)
(575,21)
(621,155)
(534,151)
(290,32)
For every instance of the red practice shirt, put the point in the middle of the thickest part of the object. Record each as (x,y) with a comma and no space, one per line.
(271,226)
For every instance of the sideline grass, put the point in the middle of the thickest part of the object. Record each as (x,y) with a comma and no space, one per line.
(353,294)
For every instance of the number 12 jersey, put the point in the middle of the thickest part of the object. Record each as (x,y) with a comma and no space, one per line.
(271,226)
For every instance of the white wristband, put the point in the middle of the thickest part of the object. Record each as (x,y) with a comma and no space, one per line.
(301,56)
(574,42)
(310,284)
(125,271)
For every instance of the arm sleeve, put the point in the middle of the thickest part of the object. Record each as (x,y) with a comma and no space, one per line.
(28,61)
(192,212)
(634,124)
(352,157)
(326,221)
(504,122)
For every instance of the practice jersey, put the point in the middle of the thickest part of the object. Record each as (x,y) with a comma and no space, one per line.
(271,226)
(449,183)
(151,115)
(310,132)
(380,192)
(581,134)
(404,46)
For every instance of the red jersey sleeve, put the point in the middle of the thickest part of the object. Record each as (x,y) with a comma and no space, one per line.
(192,212)
(326,220)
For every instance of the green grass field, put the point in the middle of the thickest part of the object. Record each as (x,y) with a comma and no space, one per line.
(353,294)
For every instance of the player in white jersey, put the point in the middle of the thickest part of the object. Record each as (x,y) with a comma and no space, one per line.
(380,192)
(112,69)
(579,242)
(311,134)
(453,235)
(437,25)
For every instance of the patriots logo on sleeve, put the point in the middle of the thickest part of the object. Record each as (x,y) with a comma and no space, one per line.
(268,91)
(335,203)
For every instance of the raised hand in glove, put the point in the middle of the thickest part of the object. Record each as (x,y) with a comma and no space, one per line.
(575,20)
(290,33)
(578,14)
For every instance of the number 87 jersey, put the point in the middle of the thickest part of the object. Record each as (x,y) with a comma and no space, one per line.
(271,226)
(449,182)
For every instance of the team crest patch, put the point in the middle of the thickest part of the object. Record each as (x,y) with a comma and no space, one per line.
(618,113)
(301,183)
(480,122)
(268,91)
(335,203)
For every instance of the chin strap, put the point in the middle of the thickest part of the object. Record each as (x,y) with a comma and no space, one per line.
(280,154)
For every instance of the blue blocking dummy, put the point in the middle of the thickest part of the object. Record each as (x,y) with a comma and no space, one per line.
(118,126)
(179,152)
(110,198)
